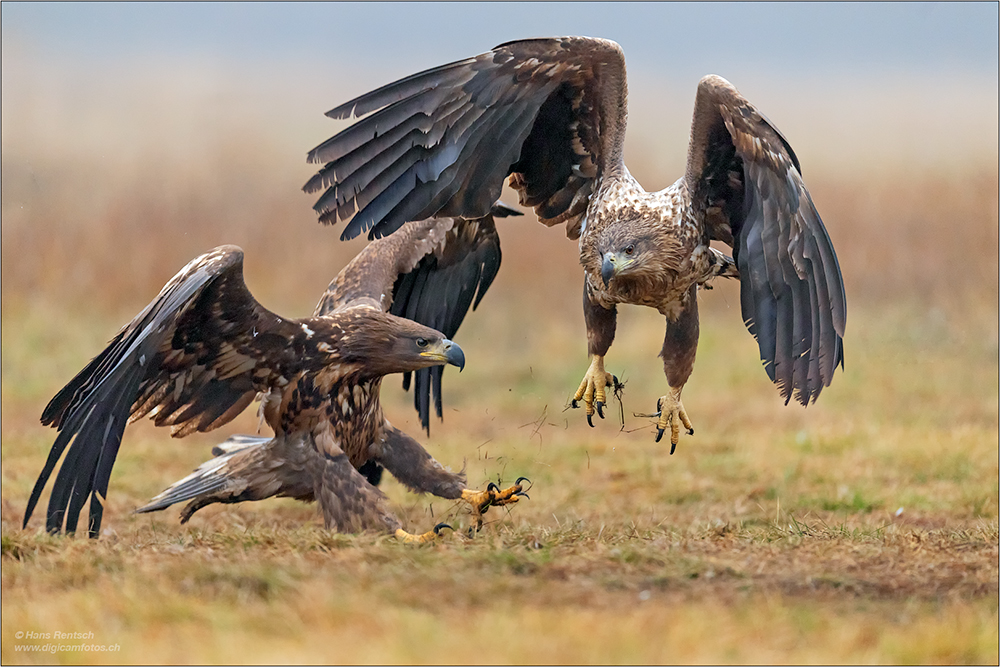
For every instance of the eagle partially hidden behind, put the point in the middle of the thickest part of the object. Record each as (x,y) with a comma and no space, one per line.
(197,356)
(550,114)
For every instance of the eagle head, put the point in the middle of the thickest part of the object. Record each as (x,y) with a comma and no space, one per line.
(626,254)
(384,344)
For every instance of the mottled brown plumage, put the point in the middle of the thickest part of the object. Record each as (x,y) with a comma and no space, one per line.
(550,114)
(204,348)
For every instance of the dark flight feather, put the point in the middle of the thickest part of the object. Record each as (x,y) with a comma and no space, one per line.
(467,122)
(199,353)
(792,293)
(550,113)
(91,412)
(444,266)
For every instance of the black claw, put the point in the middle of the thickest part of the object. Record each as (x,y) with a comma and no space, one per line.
(523,495)
(590,420)
(690,431)
(659,405)
(673,446)
(493,487)
(441,526)
(659,434)
(573,404)
(600,409)
(522,479)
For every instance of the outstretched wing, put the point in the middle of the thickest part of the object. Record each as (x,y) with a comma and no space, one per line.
(193,359)
(743,175)
(430,271)
(549,112)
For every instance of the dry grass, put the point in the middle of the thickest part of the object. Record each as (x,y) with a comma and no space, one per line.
(863,529)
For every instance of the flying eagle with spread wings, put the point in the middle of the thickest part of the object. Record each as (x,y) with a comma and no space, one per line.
(204,348)
(550,114)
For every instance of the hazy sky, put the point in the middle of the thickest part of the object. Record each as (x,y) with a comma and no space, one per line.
(900,83)
(848,38)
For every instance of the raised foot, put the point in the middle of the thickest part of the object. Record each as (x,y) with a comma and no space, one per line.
(591,390)
(493,496)
(429,536)
(670,412)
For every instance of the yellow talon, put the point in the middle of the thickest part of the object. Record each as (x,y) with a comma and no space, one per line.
(481,501)
(429,536)
(591,390)
(671,413)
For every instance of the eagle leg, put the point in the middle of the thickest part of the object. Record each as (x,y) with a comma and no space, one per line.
(493,496)
(670,412)
(591,390)
(429,536)
(680,345)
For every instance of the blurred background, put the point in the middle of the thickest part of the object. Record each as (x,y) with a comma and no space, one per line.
(138,136)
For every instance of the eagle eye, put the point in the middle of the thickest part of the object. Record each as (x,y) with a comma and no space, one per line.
(422,342)
(630,248)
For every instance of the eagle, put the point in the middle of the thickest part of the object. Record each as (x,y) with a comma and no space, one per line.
(204,348)
(549,116)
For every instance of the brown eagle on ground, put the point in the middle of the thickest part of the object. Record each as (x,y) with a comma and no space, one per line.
(550,114)
(197,356)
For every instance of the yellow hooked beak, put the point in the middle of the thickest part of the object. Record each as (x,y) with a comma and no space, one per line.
(446,352)
(613,264)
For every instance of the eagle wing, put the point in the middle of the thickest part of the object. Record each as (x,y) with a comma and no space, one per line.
(430,271)
(193,359)
(745,180)
(548,112)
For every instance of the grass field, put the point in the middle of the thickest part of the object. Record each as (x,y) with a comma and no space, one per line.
(861,529)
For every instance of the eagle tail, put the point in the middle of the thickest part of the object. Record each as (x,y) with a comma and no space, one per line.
(241,470)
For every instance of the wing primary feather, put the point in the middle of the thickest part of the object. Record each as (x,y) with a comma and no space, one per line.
(373,132)
(491,258)
(421,129)
(481,184)
(450,276)
(115,389)
(436,374)
(129,379)
(756,297)
(791,294)
(471,119)
(415,199)
(402,88)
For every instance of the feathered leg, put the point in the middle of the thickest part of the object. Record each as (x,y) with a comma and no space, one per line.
(601,324)
(680,344)
(414,467)
(349,502)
